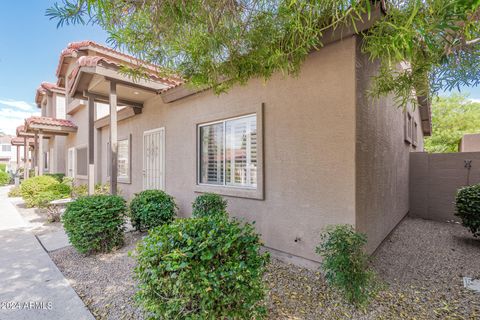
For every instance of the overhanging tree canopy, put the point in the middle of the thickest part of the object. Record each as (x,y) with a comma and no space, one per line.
(218,43)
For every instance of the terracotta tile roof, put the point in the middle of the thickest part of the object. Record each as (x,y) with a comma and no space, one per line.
(20,141)
(44,88)
(46,121)
(20,130)
(92,61)
(111,56)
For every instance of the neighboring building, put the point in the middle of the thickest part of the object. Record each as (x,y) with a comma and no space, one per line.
(50,98)
(294,154)
(469,143)
(8,154)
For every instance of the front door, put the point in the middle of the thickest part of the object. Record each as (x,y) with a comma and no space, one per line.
(154,159)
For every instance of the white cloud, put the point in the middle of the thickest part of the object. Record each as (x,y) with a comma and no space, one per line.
(474,100)
(22,105)
(10,119)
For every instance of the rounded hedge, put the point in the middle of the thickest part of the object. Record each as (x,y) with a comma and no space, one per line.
(53,192)
(95,223)
(467,204)
(32,187)
(204,268)
(4,178)
(209,204)
(152,208)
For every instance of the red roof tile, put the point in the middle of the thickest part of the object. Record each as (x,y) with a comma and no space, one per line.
(20,130)
(46,121)
(43,89)
(91,61)
(112,58)
(20,141)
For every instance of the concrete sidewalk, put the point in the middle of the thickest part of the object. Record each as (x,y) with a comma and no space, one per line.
(31,286)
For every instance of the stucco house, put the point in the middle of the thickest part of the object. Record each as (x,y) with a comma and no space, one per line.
(293,154)
(44,135)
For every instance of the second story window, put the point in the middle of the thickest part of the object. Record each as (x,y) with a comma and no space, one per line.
(60,112)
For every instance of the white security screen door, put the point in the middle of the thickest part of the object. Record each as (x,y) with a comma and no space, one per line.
(154,159)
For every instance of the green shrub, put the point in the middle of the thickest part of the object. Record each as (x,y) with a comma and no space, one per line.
(95,223)
(151,208)
(203,268)
(3,167)
(4,178)
(345,263)
(53,192)
(82,190)
(467,204)
(32,187)
(15,192)
(58,176)
(209,204)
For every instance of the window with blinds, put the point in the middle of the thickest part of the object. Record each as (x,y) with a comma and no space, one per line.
(123,160)
(228,152)
(81,161)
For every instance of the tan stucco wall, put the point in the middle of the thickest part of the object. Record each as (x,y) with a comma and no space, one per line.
(382,155)
(309,148)
(435,179)
(470,143)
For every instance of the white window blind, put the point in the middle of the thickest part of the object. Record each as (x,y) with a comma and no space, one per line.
(60,113)
(228,152)
(123,160)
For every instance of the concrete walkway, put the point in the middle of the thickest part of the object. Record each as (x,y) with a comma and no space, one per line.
(31,286)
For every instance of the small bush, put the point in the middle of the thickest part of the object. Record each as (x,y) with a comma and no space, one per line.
(15,192)
(82,190)
(95,223)
(345,263)
(151,208)
(4,178)
(53,192)
(203,268)
(209,204)
(32,187)
(3,167)
(467,204)
(58,176)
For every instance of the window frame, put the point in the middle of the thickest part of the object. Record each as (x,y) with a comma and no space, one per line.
(121,179)
(408,127)
(414,133)
(223,117)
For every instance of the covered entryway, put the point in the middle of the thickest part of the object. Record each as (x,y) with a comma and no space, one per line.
(154,159)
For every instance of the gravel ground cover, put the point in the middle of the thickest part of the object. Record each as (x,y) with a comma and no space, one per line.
(420,266)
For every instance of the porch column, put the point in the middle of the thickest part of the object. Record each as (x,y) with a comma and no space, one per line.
(41,158)
(35,154)
(18,157)
(25,158)
(113,137)
(91,146)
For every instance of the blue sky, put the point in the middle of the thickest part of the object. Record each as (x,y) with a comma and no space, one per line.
(30,45)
